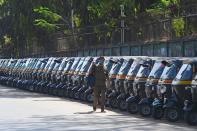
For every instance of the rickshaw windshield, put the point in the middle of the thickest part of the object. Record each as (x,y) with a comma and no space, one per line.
(79,65)
(63,64)
(143,71)
(185,73)
(134,68)
(115,68)
(124,68)
(57,65)
(169,73)
(52,65)
(68,66)
(157,70)
(74,65)
(86,65)
(38,65)
(108,65)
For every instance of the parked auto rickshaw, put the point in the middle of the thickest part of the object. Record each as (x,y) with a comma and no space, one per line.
(111,93)
(139,85)
(50,76)
(180,90)
(145,104)
(190,106)
(72,81)
(37,74)
(33,75)
(121,96)
(164,88)
(56,75)
(64,83)
(39,87)
(46,76)
(80,77)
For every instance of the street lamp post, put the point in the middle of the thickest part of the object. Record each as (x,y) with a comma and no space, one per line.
(122,24)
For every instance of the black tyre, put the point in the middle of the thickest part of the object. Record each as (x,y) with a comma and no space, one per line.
(76,95)
(82,96)
(157,112)
(145,110)
(172,114)
(191,118)
(132,108)
(71,94)
(113,102)
(122,105)
(89,97)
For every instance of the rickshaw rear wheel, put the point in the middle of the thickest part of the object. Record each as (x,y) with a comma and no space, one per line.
(172,114)
(89,97)
(158,112)
(145,110)
(113,102)
(122,105)
(132,108)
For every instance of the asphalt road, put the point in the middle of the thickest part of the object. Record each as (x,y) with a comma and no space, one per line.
(26,111)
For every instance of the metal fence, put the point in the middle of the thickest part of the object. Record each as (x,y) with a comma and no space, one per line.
(178,48)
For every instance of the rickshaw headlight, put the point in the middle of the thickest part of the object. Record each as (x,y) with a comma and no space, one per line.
(165,100)
(187,87)
(186,102)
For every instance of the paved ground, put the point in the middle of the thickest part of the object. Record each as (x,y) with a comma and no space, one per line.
(24,111)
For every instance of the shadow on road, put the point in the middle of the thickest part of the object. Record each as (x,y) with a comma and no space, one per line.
(87,120)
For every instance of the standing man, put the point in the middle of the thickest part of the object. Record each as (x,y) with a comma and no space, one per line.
(99,88)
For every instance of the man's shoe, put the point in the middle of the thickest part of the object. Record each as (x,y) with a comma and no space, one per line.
(102,110)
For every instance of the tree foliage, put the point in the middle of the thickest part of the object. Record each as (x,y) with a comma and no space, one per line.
(22,20)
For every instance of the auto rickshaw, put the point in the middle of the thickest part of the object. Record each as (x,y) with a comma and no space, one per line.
(72,75)
(68,85)
(55,76)
(164,88)
(80,77)
(36,75)
(145,104)
(181,90)
(33,75)
(46,76)
(63,81)
(119,84)
(190,106)
(41,76)
(50,76)
(111,93)
(139,85)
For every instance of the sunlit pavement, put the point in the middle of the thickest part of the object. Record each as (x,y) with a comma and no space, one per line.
(25,111)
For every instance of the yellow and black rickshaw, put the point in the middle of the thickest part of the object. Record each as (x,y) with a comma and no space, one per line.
(164,88)
(180,90)
(190,106)
(139,85)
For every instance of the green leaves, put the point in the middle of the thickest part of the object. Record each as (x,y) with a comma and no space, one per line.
(41,23)
(178,25)
(47,19)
